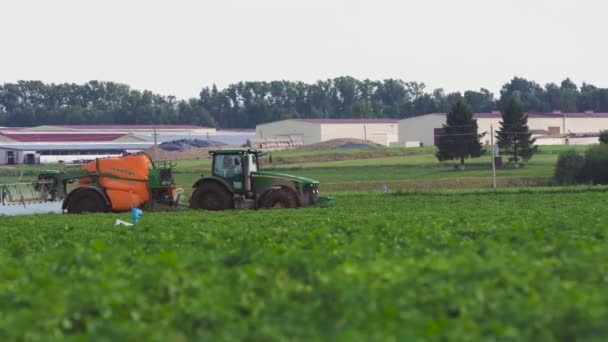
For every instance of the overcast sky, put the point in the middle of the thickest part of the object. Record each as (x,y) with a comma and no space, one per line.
(178,46)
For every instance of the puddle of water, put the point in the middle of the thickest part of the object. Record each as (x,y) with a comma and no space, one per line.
(29,209)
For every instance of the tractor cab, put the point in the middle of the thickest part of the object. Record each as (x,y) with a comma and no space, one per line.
(236,166)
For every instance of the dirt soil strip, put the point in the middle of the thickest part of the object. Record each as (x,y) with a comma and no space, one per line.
(371,154)
(452,183)
(192,153)
(335,143)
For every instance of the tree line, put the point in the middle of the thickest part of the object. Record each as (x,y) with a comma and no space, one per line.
(246,104)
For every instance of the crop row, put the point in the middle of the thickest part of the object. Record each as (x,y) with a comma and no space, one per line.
(375,266)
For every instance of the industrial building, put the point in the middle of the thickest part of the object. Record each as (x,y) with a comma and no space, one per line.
(18,147)
(310,131)
(70,143)
(125,129)
(553,128)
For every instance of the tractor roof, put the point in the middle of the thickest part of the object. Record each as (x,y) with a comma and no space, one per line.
(242,150)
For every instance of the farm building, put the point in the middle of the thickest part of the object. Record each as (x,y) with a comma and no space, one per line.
(311,131)
(126,129)
(20,147)
(552,128)
(146,132)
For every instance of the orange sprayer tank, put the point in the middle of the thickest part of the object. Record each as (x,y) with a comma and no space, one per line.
(125,179)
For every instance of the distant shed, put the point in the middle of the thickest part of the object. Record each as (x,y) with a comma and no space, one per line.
(551,128)
(43,148)
(311,131)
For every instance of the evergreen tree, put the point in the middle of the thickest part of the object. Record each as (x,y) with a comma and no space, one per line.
(460,139)
(514,138)
(603,136)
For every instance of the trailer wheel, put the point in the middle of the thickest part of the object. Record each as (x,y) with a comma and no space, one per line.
(211,196)
(280,198)
(86,201)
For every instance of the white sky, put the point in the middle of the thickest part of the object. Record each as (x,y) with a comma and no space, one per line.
(177,47)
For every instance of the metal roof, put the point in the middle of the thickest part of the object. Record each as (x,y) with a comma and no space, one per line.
(75,147)
(555,114)
(61,137)
(128,127)
(351,121)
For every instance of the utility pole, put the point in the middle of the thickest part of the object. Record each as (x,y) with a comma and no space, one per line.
(364,131)
(155,146)
(564,128)
(493,157)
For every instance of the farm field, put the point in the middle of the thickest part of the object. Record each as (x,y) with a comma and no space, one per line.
(520,264)
(368,169)
(413,168)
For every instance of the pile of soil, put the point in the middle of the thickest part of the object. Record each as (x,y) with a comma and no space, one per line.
(186,144)
(343,143)
(191,153)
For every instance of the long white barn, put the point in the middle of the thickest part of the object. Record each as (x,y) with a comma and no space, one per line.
(554,128)
(310,131)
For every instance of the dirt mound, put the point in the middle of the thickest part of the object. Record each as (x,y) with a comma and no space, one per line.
(191,153)
(344,143)
(186,144)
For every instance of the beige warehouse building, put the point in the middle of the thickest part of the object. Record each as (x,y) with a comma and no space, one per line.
(552,128)
(310,131)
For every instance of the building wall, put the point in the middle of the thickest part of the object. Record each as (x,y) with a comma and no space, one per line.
(586,125)
(571,141)
(3,160)
(70,158)
(304,132)
(380,133)
(19,156)
(420,129)
(485,125)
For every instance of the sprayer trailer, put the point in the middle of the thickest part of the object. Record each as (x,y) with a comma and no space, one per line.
(120,184)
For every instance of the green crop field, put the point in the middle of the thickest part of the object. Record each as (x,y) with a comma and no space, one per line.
(518,265)
(366,169)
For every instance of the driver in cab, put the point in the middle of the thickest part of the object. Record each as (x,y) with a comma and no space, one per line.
(233,168)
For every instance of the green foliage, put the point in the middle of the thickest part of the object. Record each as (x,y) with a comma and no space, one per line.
(596,164)
(420,267)
(513,137)
(604,136)
(245,104)
(573,168)
(569,167)
(459,139)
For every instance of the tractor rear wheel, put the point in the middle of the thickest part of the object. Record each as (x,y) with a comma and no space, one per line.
(211,196)
(86,201)
(280,198)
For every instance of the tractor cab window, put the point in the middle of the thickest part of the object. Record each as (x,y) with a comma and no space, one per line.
(252,161)
(229,167)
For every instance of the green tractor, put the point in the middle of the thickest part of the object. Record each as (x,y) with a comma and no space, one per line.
(237,182)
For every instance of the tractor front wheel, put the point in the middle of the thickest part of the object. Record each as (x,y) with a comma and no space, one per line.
(280,198)
(86,201)
(211,196)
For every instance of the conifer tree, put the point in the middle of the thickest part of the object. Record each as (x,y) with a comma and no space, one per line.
(513,137)
(460,139)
